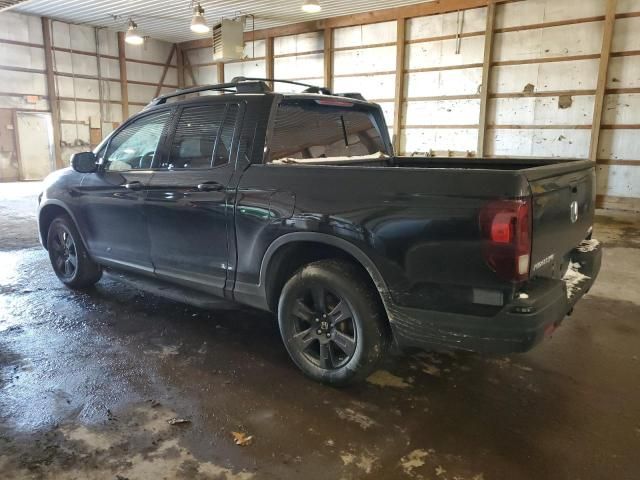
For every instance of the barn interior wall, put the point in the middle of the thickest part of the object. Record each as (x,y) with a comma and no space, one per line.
(543,77)
(86,68)
(542,87)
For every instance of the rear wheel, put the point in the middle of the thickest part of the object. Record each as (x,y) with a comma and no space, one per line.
(69,258)
(332,322)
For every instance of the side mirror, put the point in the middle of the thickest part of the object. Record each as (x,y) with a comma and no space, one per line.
(84,162)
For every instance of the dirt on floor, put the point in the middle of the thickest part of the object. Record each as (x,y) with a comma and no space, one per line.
(117,384)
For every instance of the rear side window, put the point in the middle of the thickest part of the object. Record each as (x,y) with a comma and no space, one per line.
(308,129)
(203,137)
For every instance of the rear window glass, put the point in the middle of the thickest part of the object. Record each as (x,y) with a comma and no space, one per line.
(308,129)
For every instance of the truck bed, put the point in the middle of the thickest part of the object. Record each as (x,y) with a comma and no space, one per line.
(543,166)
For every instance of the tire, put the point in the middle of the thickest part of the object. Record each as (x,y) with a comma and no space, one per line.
(332,322)
(68,255)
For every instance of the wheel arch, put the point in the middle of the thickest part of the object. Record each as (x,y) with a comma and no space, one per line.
(47,213)
(274,269)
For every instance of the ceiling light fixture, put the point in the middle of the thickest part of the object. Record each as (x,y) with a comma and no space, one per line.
(133,37)
(198,22)
(311,6)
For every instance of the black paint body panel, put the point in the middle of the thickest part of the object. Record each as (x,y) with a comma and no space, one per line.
(411,222)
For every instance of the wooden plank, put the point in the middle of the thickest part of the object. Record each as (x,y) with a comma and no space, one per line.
(269,60)
(365,47)
(180,64)
(22,44)
(363,74)
(299,54)
(328,58)
(110,57)
(10,68)
(401,49)
(486,78)
(608,161)
(149,62)
(189,69)
(445,68)
(627,53)
(618,203)
(620,126)
(51,93)
(539,127)
(220,72)
(165,69)
(558,23)
(618,91)
(83,52)
(124,86)
(374,16)
(567,58)
(439,38)
(548,93)
(454,126)
(95,137)
(601,85)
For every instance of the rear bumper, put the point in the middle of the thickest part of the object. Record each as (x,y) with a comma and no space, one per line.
(518,327)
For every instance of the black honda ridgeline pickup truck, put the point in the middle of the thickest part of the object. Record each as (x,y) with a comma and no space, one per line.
(296,204)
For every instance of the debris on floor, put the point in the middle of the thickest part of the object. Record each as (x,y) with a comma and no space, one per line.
(242,439)
(383,378)
(178,421)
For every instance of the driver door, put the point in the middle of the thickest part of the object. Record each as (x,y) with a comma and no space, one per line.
(115,227)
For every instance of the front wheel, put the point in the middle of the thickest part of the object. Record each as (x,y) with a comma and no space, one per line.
(332,322)
(69,258)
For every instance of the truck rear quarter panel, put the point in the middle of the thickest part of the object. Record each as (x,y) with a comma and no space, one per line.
(419,227)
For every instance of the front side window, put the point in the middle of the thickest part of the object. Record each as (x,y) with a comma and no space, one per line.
(309,129)
(203,137)
(135,146)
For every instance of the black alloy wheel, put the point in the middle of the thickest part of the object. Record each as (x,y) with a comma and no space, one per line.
(64,254)
(68,255)
(324,328)
(332,322)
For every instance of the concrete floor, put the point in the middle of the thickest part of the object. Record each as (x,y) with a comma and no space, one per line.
(88,382)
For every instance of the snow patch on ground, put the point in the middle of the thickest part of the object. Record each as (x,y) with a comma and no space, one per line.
(573,278)
(351,415)
(588,245)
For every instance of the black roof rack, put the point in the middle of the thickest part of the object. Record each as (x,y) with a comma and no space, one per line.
(236,85)
(310,88)
(248,85)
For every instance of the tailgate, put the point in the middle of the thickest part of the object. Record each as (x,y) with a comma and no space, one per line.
(563,209)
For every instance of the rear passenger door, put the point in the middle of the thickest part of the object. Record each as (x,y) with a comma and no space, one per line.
(189,205)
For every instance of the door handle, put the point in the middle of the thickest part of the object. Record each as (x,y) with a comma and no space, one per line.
(133,185)
(210,187)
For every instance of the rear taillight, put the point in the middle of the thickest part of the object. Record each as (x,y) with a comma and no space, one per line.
(505,226)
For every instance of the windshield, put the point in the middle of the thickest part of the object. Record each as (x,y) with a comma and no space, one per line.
(316,129)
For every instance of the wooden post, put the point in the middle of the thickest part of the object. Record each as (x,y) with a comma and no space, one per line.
(180,64)
(188,68)
(220,72)
(601,86)
(165,70)
(399,93)
(124,86)
(486,78)
(328,58)
(269,59)
(51,93)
